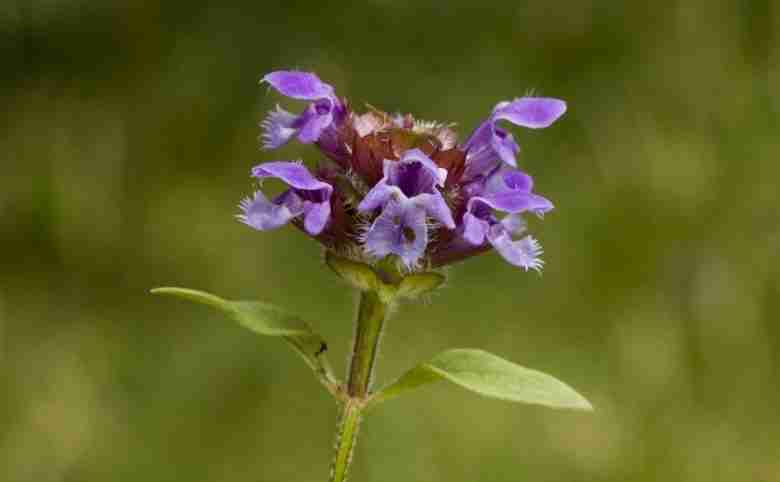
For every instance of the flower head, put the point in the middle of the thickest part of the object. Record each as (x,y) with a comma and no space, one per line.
(392,185)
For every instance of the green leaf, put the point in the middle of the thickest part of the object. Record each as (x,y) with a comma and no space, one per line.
(269,320)
(384,278)
(488,375)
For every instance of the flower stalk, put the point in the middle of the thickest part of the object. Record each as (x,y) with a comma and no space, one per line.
(371,319)
(349,426)
(372,313)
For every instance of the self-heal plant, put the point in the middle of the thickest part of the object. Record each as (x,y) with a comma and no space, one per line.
(393,199)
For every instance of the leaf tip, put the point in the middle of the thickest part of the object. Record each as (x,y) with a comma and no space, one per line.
(167,290)
(583,405)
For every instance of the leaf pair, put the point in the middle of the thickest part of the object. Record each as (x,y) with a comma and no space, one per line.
(475,370)
(387,283)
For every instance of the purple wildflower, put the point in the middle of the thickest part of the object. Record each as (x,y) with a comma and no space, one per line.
(322,113)
(490,144)
(506,190)
(307,196)
(407,193)
(396,186)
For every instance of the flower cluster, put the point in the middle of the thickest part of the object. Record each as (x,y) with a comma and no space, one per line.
(391,185)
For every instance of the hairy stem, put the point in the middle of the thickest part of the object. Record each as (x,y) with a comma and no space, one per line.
(370,320)
(349,425)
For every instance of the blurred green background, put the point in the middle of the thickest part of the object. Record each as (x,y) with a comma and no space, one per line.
(127,133)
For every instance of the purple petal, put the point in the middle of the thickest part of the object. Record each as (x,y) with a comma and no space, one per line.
(505,147)
(399,230)
(313,127)
(474,229)
(514,223)
(417,156)
(298,85)
(436,207)
(487,147)
(378,196)
(262,214)
(315,216)
(509,190)
(517,180)
(532,112)
(514,202)
(412,178)
(490,143)
(307,195)
(293,174)
(508,179)
(482,136)
(414,173)
(313,123)
(480,163)
(524,253)
(278,128)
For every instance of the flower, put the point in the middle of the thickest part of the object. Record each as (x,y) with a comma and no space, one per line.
(398,187)
(307,196)
(490,144)
(507,190)
(322,113)
(408,195)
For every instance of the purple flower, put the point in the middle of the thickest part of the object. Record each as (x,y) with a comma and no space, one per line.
(393,185)
(307,196)
(325,109)
(507,190)
(408,195)
(490,144)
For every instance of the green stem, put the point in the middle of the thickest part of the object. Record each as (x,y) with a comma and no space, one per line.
(371,318)
(349,425)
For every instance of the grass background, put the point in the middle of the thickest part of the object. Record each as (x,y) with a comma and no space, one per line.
(127,133)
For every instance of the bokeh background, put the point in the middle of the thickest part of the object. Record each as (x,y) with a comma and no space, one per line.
(127,132)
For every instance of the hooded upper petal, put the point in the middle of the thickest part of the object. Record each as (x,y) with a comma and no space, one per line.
(294,174)
(531,112)
(298,85)
(414,173)
(414,177)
